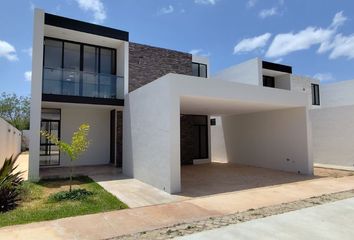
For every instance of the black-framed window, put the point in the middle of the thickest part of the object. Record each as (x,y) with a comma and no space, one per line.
(212,121)
(50,122)
(59,53)
(199,70)
(78,69)
(315,90)
(268,81)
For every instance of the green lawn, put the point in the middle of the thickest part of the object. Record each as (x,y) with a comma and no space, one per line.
(35,205)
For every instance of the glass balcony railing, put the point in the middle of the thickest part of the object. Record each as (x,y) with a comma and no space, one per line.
(84,84)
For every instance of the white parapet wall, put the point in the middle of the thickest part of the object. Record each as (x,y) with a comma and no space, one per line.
(337,94)
(10,141)
(249,72)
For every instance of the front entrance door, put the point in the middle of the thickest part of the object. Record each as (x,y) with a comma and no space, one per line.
(49,153)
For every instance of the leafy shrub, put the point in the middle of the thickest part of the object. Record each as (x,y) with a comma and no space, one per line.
(9,185)
(76,194)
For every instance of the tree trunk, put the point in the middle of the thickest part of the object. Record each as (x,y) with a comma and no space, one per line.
(71,173)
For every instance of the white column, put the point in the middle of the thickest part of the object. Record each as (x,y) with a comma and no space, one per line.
(36,94)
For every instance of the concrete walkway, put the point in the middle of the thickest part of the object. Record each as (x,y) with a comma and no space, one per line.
(133,192)
(328,221)
(22,161)
(115,223)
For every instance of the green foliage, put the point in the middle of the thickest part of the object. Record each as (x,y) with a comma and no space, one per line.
(76,194)
(35,205)
(10,182)
(79,144)
(15,109)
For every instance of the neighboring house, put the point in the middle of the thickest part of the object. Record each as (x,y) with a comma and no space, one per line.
(152,110)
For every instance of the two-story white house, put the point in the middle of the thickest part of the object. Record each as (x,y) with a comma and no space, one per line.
(152,110)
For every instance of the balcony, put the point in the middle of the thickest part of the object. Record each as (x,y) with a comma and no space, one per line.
(58,81)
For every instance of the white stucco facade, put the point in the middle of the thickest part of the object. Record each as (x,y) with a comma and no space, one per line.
(248,72)
(255,125)
(73,114)
(337,94)
(36,95)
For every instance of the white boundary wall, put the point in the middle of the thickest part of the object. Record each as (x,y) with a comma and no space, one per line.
(10,141)
(333,135)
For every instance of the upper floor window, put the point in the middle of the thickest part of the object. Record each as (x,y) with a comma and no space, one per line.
(79,56)
(268,81)
(315,89)
(199,70)
(78,69)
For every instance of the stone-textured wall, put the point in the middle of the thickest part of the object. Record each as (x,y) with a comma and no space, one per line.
(147,64)
(189,127)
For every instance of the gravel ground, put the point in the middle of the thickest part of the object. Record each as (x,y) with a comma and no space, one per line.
(216,222)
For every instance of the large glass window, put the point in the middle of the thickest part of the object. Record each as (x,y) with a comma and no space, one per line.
(78,69)
(90,59)
(90,70)
(315,89)
(199,70)
(107,64)
(72,56)
(53,53)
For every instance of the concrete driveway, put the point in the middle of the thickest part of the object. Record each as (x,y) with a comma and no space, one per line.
(328,221)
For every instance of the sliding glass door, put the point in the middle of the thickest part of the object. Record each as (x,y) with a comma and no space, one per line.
(49,153)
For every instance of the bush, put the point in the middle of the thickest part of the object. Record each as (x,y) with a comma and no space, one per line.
(76,194)
(10,183)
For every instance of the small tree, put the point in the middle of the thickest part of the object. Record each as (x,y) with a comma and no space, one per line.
(79,144)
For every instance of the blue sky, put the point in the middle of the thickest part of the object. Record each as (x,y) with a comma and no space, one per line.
(316,37)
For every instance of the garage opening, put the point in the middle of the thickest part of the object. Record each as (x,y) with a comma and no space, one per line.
(244,151)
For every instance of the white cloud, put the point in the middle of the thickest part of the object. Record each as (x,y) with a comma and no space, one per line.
(199,52)
(94,6)
(338,20)
(324,77)
(251,3)
(195,51)
(166,10)
(8,51)
(342,46)
(268,12)
(205,2)
(28,51)
(28,76)
(286,43)
(250,44)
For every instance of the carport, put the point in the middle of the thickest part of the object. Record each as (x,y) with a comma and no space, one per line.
(256,126)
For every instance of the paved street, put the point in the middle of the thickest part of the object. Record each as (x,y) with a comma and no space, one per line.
(329,221)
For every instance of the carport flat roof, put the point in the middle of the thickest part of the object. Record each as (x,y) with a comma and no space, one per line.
(216,97)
